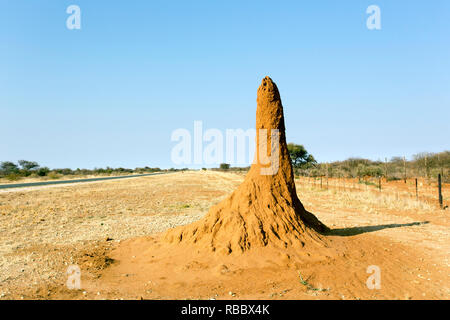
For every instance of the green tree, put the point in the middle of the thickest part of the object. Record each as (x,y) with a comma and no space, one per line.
(224,166)
(43,171)
(28,165)
(299,156)
(7,167)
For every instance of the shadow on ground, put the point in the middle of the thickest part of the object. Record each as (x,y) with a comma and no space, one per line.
(345,232)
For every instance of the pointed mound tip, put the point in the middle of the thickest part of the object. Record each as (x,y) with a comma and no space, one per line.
(268,89)
(267,81)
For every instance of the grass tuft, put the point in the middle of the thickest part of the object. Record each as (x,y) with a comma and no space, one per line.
(308,285)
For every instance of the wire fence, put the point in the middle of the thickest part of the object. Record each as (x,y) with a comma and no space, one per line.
(430,191)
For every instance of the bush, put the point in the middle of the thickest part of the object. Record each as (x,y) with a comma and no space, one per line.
(42,172)
(54,175)
(13,177)
(224,166)
(64,171)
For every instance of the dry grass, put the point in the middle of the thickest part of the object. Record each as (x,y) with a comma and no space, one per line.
(42,229)
(49,224)
(370,200)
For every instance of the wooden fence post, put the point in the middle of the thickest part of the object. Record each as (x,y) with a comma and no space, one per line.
(440,191)
(417,191)
(404,168)
(385,169)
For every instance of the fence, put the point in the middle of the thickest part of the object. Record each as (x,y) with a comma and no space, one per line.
(421,189)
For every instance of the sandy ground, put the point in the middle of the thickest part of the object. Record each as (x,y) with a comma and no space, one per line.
(105,228)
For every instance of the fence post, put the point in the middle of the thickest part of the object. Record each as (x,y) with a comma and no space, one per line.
(385,169)
(417,191)
(440,191)
(404,168)
(379,183)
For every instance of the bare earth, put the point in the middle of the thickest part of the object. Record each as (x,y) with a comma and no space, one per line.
(105,228)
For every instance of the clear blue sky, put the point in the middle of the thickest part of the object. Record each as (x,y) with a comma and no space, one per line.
(113,92)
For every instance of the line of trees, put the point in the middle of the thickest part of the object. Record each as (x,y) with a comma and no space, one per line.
(425,164)
(23,168)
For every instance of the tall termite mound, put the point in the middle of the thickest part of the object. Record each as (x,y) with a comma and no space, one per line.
(264,210)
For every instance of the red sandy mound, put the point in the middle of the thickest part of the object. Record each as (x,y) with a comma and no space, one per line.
(264,210)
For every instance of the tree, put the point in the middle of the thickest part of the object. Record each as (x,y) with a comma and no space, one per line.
(43,171)
(8,167)
(28,165)
(224,166)
(299,156)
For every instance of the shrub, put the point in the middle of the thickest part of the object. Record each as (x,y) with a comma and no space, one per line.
(224,166)
(53,175)
(42,172)
(13,177)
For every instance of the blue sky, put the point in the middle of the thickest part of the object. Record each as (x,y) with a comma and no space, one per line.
(112,93)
